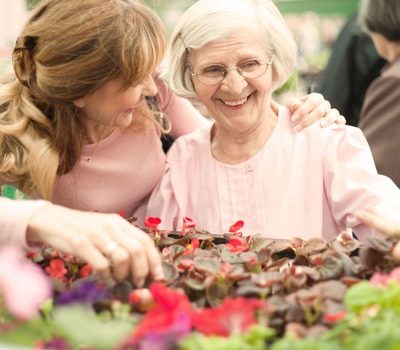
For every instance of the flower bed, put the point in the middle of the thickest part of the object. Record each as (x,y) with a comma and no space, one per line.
(221,292)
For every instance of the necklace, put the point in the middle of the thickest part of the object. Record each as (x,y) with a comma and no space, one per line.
(89,158)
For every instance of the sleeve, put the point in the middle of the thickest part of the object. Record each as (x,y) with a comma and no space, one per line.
(351,180)
(14,219)
(380,123)
(183,117)
(170,199)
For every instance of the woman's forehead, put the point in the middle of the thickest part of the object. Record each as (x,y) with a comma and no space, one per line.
(233,47)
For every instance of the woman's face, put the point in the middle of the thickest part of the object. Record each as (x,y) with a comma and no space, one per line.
(113,105)
(237,104)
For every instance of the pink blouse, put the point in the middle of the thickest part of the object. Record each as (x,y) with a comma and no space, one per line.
(124,171)
(305,184)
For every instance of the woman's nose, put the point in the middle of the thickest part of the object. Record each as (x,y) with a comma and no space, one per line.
(149,86)
(234,82)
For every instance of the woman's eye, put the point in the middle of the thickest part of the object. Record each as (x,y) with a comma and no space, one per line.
(216,70)
(249,65)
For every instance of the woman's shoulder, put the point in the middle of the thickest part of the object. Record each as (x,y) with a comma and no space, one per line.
(192,145)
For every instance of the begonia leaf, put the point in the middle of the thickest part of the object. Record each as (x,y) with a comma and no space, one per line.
(332,268)
(207,265)
(171,273)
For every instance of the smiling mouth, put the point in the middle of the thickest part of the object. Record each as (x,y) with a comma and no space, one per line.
(235,103)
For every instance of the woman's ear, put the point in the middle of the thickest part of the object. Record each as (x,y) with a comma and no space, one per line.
(80,102)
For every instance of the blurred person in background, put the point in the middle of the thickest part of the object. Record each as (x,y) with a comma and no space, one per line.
(380,114)
(352,66)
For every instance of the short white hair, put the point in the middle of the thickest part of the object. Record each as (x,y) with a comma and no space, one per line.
(210,21)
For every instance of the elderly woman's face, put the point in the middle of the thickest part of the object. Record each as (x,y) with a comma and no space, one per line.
(237,103)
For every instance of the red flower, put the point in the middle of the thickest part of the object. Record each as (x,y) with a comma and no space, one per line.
(152,222)
(86,270)
(236,226)
(172,309)
(237,245)
(122,213)
(334,317)
(57,269)
(234,316)
(192,246)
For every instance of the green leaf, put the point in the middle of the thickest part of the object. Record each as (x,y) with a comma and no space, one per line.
(83,328)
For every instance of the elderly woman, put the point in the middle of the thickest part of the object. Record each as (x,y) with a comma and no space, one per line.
(249,164)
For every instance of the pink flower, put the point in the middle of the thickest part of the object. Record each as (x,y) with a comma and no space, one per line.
(192,246)
(57,269)
(22,283)
(334,317)
(234,316)
(237,245)
(172,309)
(236,227)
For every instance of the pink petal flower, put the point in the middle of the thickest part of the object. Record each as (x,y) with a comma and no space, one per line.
(23,284)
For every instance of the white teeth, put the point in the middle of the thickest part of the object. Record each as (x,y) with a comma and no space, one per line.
(235,102)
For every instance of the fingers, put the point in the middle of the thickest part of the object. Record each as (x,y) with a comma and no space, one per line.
(105,241)
(303,106)
(370,217)
(310,108)
(145,258)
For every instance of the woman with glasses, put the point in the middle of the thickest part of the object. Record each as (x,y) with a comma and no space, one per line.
(75,130)
(249,164)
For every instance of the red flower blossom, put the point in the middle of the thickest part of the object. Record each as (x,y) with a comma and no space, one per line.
(234,316)
(171,309)
(86,270)
(122,213)
(57,269)
(334,317)
(237,245)
(152,222)
(192,246)
(236,227)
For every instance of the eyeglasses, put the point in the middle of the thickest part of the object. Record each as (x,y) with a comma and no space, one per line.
(214,74)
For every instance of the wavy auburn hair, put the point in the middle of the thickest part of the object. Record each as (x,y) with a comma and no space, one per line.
(68,50)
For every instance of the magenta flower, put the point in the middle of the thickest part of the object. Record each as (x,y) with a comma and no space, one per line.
(24,286)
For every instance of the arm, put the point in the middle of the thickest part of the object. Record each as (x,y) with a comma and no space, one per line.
(351,181)
(14,219)
(380,123)
(99,239)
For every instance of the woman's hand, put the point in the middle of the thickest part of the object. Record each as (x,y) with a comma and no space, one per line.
(309,108)
(102,240)
(388,226)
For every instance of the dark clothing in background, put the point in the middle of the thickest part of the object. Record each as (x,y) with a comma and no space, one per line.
(380,121)
(353,65)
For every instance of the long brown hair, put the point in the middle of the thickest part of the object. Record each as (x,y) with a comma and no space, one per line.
(68,50)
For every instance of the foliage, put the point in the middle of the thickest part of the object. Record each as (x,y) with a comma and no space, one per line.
(224,292)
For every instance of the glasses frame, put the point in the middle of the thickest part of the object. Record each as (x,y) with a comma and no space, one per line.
(227,69)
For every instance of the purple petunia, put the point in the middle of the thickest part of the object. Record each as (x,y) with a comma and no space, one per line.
(84,292)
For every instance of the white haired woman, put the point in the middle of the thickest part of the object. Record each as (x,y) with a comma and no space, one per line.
(249,164)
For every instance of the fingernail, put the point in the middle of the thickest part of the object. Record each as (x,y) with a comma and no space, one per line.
(295,117)
(139,282)
(322,123)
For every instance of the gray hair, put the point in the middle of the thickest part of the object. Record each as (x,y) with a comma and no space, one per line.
(210,21)
(382,17)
